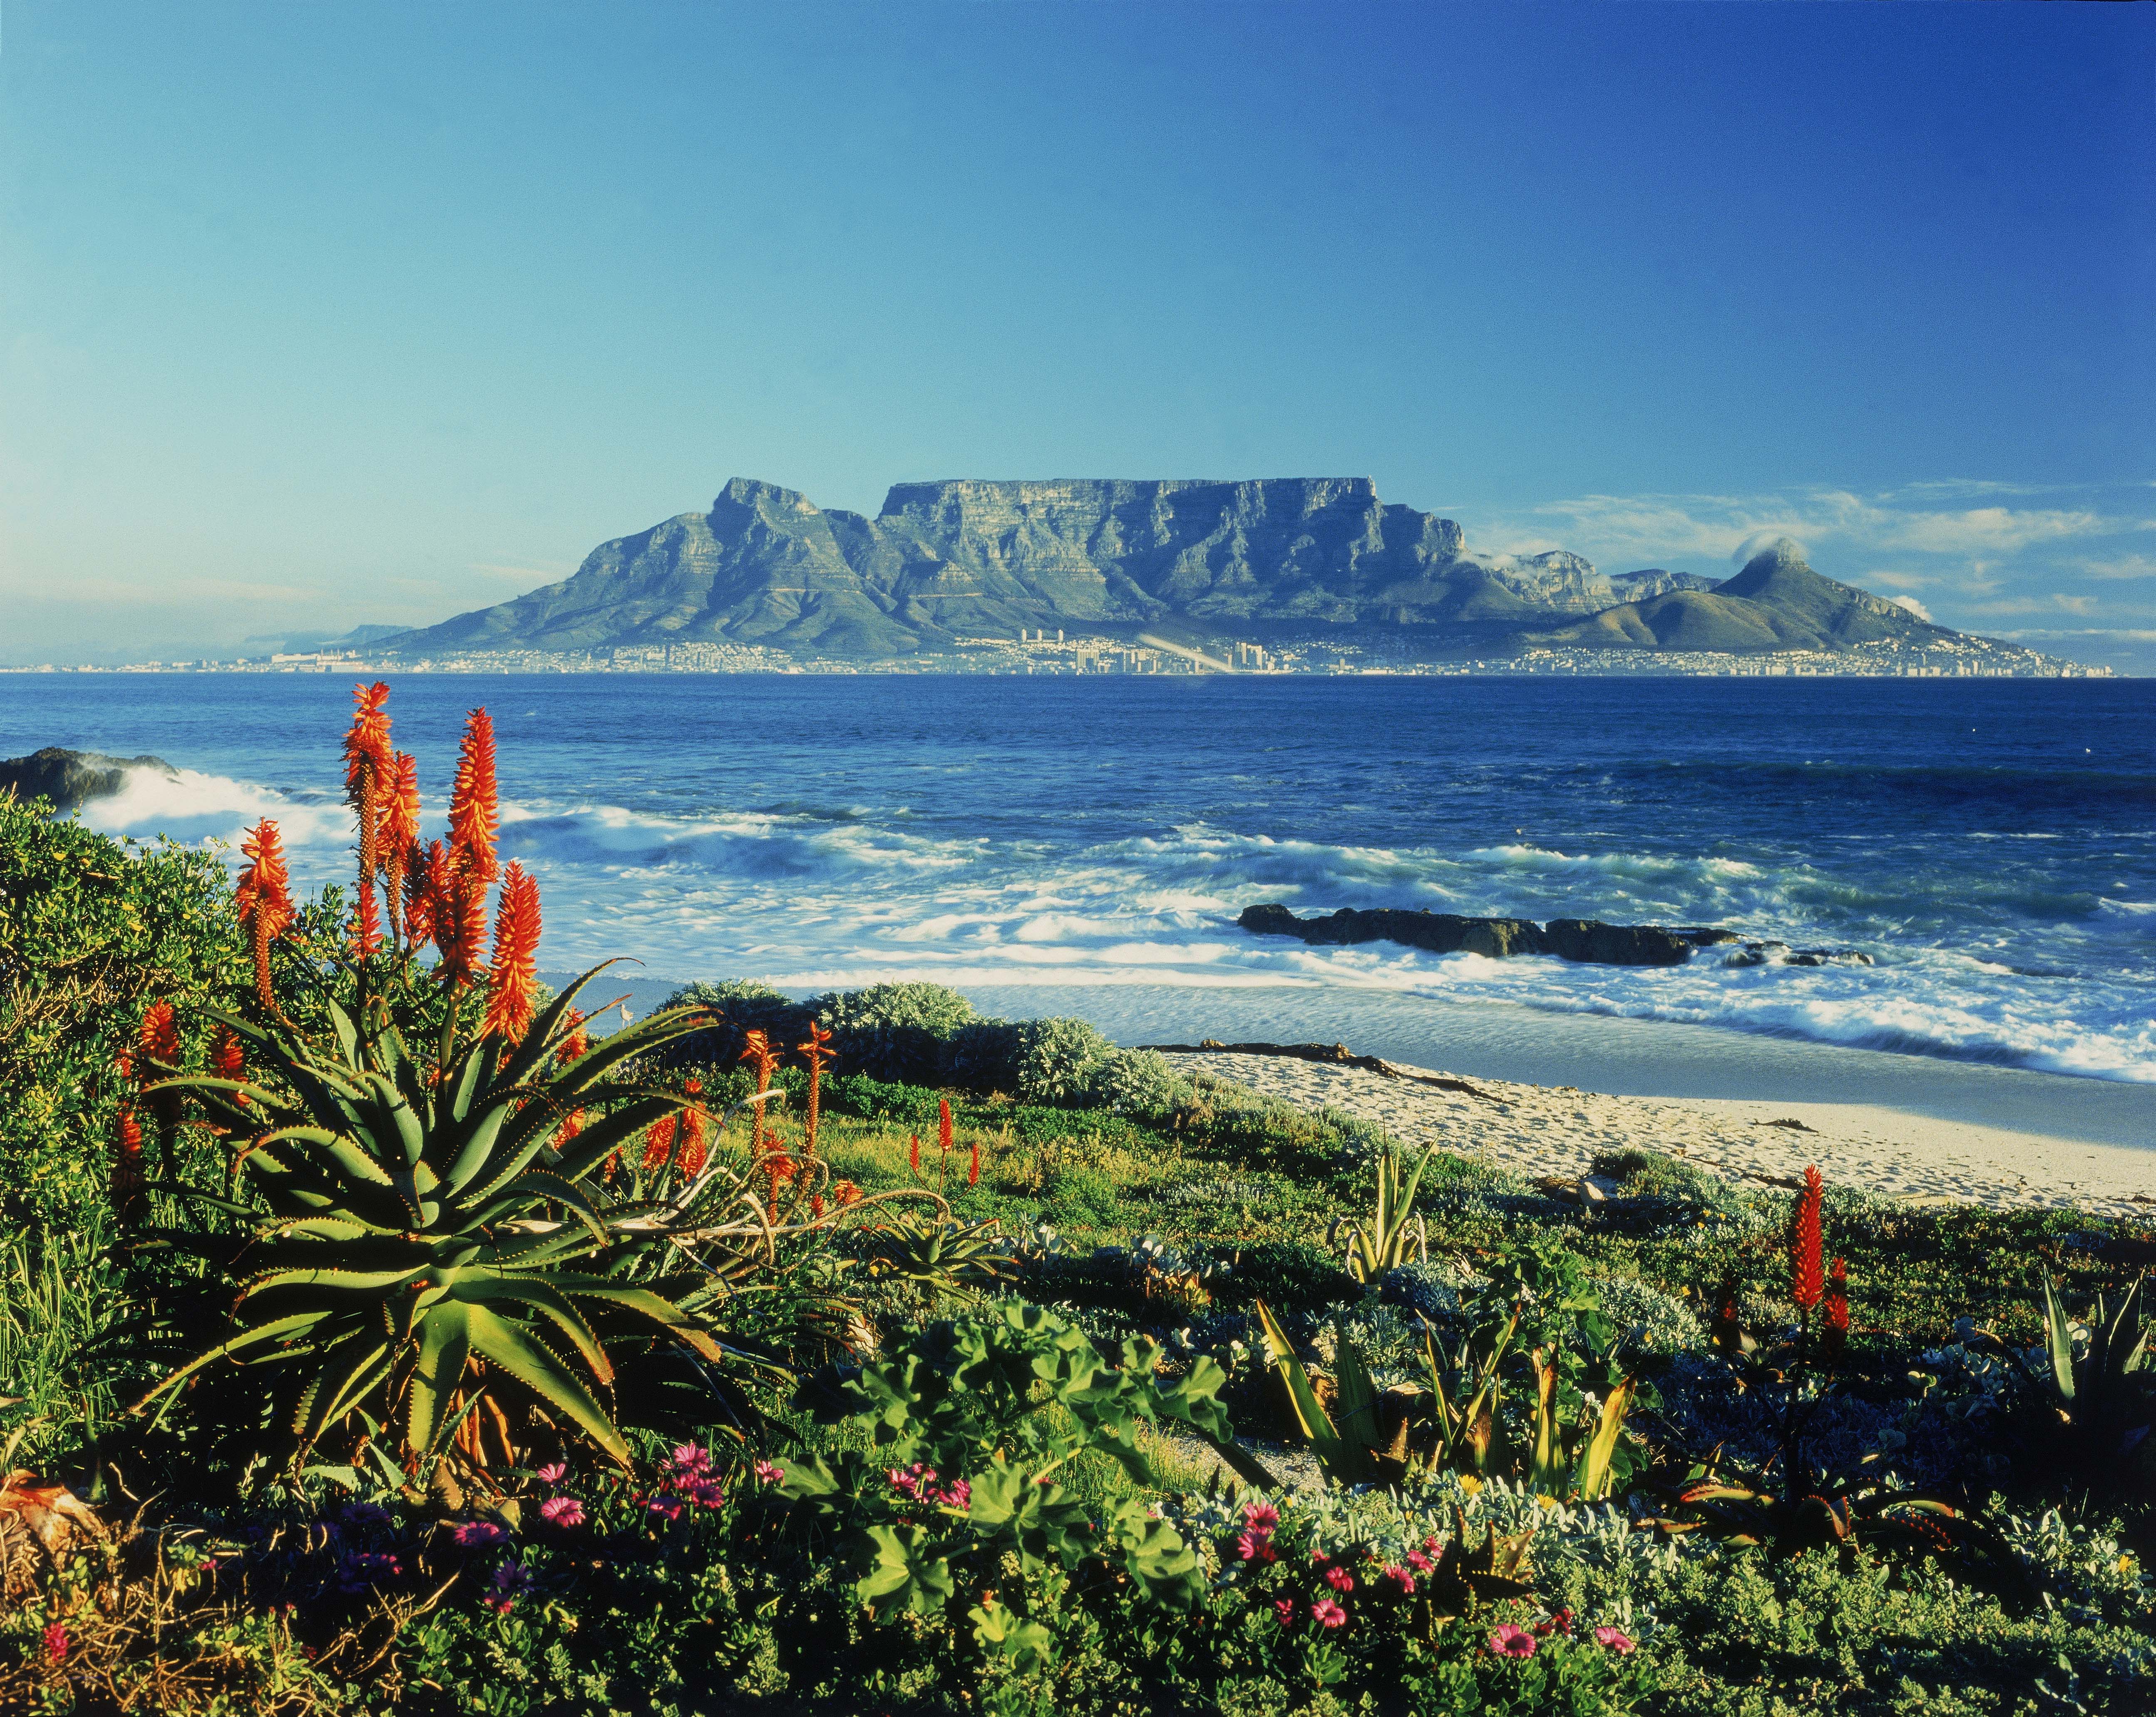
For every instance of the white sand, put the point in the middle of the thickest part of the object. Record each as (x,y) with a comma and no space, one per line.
(1538,1130)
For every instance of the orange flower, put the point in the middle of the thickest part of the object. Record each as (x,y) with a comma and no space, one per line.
(570,1128)
(424,884)
(159,1038)
(474,810)
(399,833)
(369,770)
(515,974)
(943,1124)
(225,1058)
(576,1043)
(690,1156)
(658,1143)
(366,921)
(815,1052)
(127,1194)
(913,1154)
(781,1166)
(816,1207)
(974,1168)
(756,1049)
(264,896)
(846,1193)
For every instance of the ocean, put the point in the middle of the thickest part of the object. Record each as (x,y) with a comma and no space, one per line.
(1085,845)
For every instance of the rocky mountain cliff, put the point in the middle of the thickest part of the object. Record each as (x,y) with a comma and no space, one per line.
(944,560)
(1268,557)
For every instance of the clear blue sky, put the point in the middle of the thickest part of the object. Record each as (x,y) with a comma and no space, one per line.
(312,315)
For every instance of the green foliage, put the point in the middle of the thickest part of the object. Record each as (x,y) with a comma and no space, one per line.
(1058,1061)
(963,1416)
(91,929)
(2098,1395)
(736,1007)
(1385,1242)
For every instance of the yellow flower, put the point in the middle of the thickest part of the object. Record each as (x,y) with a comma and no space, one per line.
(1470,1484)
(1548,1502)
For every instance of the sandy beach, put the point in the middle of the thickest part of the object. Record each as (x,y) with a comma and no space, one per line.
(1538,1130)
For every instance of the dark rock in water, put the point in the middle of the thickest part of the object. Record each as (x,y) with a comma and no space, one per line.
(1498,938)
(70,779)
(1433,932)
(1705,935)
(1781,954)
(1598,943)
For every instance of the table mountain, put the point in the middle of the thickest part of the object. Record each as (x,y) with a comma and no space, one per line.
(1263,557)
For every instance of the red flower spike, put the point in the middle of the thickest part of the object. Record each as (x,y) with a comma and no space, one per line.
(400,832)
(474,807)
(659,1144)
(943,1130)
(366,921)
(514,979)
(158,1038)
(127,1195)
(815,1052)
(1807,1282)
(913,1155)
(756,1049)
(846,1193)
(369,770)
(570,1128)
(974,1168)
(692,1151)
(1836,1336)
(264,897)
(423,887)
(225,1057)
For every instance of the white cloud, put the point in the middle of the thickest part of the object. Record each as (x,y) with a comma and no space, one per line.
(1913,606)
(2124,566)
(2073,604)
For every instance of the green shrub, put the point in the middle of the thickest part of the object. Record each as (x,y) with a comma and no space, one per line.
(894,1031)
(91,929)
(742,1005)
(1058,1061)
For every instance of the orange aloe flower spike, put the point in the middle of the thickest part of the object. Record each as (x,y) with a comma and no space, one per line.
(369,769)
(474,807)
(366,921)
(690,1157)
(514,979)
(127,1195)
(399,833)
(264,896)
(658,1143)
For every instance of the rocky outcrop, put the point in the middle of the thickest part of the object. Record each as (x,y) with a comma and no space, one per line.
(70,779)
(1581,938)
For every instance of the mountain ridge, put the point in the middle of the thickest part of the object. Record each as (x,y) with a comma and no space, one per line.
(980,557)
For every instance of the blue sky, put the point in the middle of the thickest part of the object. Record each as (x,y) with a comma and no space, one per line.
(317,315)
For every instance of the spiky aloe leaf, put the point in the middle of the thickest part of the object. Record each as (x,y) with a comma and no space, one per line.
(2058,1340)
(1602,1447)
(444,1349)
(534,1294)
(519,1354)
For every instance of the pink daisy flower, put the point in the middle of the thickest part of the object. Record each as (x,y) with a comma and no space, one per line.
(1615,1638)
(1327,1614)
(1340,1580)
(562,1511)
(1512,1641)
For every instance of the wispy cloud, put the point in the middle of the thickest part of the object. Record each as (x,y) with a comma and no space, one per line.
(2124,566)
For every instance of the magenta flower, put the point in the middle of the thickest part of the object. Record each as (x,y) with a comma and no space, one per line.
(704,1493)
(666,1508)
(1260,1517)
(1284,1609)
(1400,1578)
(958,1493)
(689,1457)
(1419,1562)
(501,1592)
(56,1642)
(769,1473)
(1255,1547)
(1340,1580)
(1512,1641)
(1327,1614)
(564,1511)
(480,1534)
(1615,1638)
(553,1473)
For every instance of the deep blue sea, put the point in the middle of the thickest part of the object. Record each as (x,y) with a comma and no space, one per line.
(1991,844)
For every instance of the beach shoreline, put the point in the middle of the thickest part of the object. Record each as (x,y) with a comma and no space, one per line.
(1542,1131)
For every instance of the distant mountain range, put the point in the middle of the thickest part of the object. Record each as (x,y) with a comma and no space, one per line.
(1262,559)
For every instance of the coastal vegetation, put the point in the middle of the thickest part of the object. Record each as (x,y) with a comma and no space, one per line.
(377,1336)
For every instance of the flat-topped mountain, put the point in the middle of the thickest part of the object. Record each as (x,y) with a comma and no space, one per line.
(966,559)
(948,560)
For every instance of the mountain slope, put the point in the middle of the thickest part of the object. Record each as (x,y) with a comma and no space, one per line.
(1777,603)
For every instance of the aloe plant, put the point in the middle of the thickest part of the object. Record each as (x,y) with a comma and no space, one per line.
(2100,1403)
(1575,1460)
(411,1236)
(1386,1241)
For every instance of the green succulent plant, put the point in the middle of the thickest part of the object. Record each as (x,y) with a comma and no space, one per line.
(411,1236)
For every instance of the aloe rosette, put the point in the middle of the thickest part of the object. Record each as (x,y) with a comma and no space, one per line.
(419,1232)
